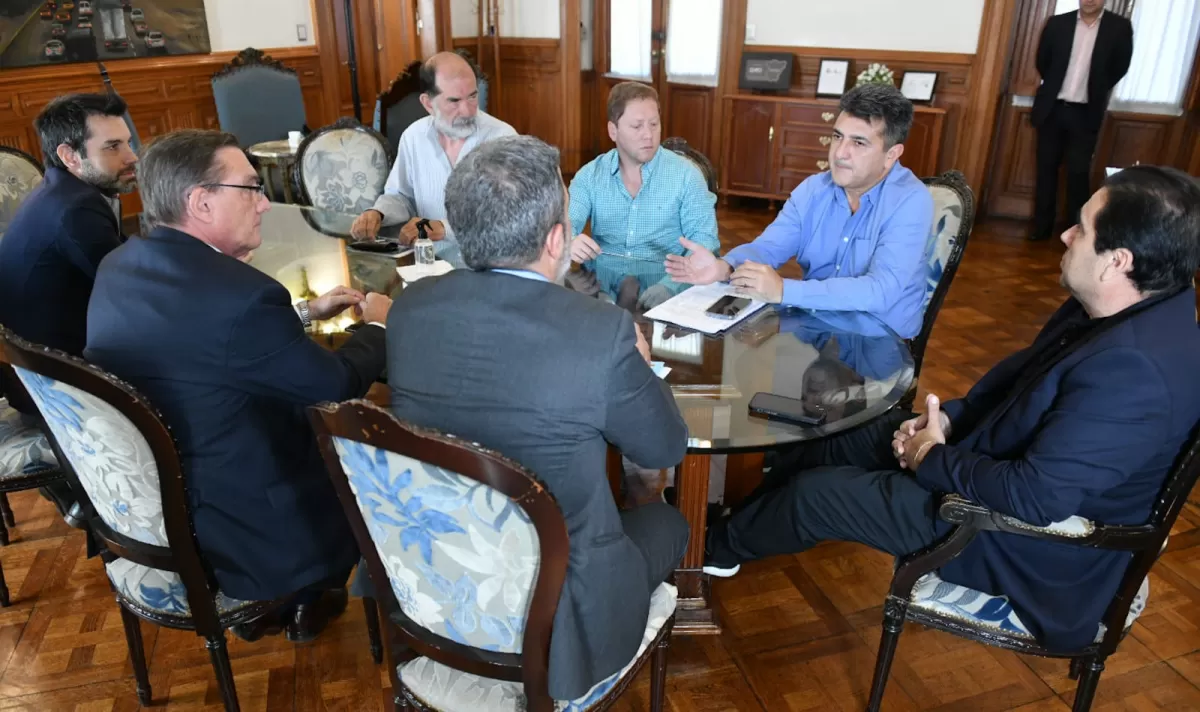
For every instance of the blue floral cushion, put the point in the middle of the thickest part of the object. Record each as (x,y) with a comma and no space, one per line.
(947,219)
(107,452)
(967,605)
(160,591)
(344,170)
(18,178)
(461,557)
(444,688)
(24,449)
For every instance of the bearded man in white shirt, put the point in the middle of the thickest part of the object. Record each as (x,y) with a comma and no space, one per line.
(429,149)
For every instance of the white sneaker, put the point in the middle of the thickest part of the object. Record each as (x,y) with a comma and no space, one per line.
(720,572)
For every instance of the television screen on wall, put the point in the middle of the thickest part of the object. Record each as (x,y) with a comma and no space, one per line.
(49,32)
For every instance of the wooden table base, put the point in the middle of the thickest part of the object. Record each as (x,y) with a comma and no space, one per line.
(696,614)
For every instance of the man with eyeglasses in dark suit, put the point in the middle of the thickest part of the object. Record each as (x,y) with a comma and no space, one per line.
(218,347)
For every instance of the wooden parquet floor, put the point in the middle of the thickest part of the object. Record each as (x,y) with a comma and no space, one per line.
(800,631)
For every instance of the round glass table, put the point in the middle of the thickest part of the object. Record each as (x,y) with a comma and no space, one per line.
(846,367)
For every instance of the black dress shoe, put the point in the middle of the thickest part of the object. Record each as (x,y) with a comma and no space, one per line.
(309,619)
(250,631)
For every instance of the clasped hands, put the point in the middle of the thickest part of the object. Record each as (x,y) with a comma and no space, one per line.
(917,436)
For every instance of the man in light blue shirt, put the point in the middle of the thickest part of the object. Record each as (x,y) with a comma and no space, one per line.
(860,231)
(641,198)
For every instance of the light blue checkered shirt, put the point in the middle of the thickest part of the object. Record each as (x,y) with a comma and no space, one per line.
(674,201)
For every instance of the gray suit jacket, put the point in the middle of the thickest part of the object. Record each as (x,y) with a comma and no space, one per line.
(546,376)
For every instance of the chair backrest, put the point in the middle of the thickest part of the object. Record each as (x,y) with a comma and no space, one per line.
(467,550)
(680,146)
(1149,541)
(20,173)
(124,464)
(953,219)
(342,167)
(398,106)
(258,98)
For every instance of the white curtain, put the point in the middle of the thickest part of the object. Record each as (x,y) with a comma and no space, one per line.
(694,42)
(1165,33)
(629,38)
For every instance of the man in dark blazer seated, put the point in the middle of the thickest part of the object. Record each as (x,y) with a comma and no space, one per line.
(1081,57)
(502,354)
(62,230)
(217,346)
(1086,421)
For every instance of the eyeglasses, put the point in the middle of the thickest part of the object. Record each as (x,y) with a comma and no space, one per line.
(260,188)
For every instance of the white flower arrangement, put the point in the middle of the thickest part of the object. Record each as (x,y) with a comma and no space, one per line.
(876,74)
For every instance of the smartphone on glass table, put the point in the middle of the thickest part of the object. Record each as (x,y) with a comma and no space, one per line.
(788,410)
(727,307)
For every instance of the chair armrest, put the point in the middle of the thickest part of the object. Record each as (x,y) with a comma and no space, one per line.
(1073,530)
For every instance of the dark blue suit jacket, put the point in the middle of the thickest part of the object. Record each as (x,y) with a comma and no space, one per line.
(216,345)
(48,260)
(1093,433)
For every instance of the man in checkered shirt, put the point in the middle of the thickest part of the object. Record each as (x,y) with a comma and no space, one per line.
(640,199)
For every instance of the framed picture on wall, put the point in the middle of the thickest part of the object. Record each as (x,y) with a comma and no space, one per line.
(918,86)
(831,80)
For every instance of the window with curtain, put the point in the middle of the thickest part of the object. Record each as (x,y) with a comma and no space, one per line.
(629,38)
(694,42)
(1165,33)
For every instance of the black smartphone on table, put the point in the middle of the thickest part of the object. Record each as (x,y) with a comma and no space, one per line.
(728,306)
(788,410)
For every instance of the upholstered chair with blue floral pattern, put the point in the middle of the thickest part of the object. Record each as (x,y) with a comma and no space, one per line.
(953,219)
(343,167)
(124,467)
(467,552)
(26,462)
(20,173)
(917,594)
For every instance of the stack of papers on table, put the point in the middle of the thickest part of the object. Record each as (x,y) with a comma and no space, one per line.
(412,273)
(687,309)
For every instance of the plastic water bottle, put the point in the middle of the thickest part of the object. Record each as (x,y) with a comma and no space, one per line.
(423,248)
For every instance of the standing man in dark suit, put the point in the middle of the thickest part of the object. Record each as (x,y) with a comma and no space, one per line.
(502,354)
(49,256)
(217,346)
(1087,421)
(1081,57)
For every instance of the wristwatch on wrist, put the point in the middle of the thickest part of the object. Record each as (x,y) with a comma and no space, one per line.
(305,318)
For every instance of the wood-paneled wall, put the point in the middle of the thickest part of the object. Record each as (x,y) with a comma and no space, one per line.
(163,94)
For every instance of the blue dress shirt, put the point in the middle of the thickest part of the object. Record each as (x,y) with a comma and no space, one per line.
(873,260)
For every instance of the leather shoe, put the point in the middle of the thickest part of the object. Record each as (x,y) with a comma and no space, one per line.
(309,619)
(250,631)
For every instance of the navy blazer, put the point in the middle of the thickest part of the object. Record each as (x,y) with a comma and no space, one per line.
(1094,432)
(48,260)
(216,345)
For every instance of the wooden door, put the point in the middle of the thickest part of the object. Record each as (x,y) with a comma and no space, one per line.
(404,26)
(747,165)
(687,110)
(363,26)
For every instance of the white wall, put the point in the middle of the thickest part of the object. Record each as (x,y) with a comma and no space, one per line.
(238,24)
(915,25)
(518,18)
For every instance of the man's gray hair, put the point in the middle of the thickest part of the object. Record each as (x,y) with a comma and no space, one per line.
(502,200)
(172,166)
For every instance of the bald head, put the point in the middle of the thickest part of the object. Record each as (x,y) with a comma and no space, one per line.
(450,94)
(443,68)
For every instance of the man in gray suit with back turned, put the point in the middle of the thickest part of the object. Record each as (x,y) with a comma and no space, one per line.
(503,355)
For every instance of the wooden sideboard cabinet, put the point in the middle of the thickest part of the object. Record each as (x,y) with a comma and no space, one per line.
(774,143)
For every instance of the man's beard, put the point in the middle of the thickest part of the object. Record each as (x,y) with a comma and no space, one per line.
(106,183)
(461,128)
